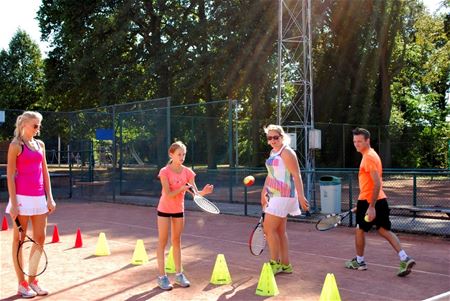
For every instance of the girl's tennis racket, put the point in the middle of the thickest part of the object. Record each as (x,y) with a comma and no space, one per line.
(257,241)
(332,220)
(204,203)
(31,256)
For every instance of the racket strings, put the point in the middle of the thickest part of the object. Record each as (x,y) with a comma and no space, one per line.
(258,241)
(206,205)
(329,222)
(32,259)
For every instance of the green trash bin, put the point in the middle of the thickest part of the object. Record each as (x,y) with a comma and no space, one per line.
(330,194)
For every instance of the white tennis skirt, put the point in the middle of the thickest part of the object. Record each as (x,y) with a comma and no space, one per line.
(282,206)
(30,205)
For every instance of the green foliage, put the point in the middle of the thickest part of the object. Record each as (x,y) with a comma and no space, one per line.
(419,93)
(383,63)
(21,74)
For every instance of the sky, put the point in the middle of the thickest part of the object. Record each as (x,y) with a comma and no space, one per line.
(16,14)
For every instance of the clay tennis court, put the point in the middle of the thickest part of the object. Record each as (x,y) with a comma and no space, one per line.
(76,274)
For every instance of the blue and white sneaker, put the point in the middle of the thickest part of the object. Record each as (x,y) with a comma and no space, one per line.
(181,280)
(164,283)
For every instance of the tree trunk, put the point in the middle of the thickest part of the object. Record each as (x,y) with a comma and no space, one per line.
(387,29)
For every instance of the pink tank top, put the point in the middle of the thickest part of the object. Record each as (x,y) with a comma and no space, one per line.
(29,176)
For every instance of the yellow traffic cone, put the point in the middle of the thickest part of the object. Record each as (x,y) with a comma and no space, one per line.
(170,263)
(102,248)
(140,254)
(330,290)
(220,274)
(267,286)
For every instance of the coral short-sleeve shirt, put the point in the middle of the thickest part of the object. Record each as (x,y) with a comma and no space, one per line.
(174,204)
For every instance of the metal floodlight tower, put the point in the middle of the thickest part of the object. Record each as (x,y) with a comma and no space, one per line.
(295,82)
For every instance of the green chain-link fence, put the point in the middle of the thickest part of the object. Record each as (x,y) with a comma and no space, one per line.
(221,147)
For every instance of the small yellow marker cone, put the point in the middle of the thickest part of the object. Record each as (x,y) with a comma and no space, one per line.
(170,263)
(140,254)
(220,274)
(330,290)
(102,248)
(267,286)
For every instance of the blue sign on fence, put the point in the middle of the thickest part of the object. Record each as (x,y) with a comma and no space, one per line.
(104,134)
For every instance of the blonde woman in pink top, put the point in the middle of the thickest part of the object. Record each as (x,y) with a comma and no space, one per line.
(175,180)
(30,194)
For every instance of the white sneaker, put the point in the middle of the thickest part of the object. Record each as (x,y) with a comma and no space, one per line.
(181,280)
(25,291)
(39,290)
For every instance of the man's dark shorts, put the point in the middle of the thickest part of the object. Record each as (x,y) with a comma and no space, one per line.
(381,220)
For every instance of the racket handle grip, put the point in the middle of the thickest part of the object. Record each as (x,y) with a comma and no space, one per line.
(191,189)
(19,226)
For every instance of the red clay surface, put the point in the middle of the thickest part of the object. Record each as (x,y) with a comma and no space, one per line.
(75,274)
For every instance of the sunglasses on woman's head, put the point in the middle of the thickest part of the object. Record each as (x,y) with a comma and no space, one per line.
(273,137)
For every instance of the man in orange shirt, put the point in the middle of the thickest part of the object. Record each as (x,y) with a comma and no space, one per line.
(372,207)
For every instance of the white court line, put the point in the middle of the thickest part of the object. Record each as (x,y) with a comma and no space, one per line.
(377,296)
(291,250)
(441,297)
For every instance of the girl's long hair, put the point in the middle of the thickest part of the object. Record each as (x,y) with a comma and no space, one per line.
(21,121)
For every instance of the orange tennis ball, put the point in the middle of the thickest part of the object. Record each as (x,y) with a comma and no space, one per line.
(249,180)
(366,218)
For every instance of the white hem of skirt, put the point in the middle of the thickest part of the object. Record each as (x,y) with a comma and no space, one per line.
(282,206)
(29,205)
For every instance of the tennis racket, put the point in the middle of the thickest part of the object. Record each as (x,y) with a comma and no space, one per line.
(332,220)
(204,203)
(31,256)
(257,241)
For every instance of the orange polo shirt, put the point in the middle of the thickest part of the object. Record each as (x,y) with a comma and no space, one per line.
(370,161)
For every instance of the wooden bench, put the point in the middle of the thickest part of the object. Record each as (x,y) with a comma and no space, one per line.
(419,209)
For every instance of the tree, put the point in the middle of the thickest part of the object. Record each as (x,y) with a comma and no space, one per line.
(419,94)
(21,74)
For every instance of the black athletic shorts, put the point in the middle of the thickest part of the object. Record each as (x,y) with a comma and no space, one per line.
(176,215)
(382,215)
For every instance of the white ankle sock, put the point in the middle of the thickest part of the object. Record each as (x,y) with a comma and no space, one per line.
(359,258)
(402,255)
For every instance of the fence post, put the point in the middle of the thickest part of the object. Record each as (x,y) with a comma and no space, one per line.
(69,160)
(414,190)
(230,147)
(245,200)
(120,152)
(114,155)
(168,122)
(350,197)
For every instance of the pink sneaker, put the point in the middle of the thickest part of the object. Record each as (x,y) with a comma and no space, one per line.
(39,290)
(25,291)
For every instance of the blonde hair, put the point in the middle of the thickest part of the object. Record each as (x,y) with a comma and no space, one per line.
(279,130)
(22,120)
(174,146)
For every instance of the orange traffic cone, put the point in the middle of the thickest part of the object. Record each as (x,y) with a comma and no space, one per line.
(4,224)
(79,240)
(55,237)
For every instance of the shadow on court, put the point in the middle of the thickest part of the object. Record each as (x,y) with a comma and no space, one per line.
(313,254)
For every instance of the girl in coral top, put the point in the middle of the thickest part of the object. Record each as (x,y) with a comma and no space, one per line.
(175,180)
